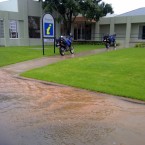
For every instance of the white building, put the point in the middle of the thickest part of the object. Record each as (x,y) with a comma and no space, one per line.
(20,25)
(128,27)
(19,21)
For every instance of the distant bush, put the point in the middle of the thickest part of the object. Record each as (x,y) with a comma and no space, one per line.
(117,44)
(89,42)
(140,45)
(92,42)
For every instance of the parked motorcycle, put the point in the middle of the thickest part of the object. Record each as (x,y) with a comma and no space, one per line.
(64,44)
(110,40)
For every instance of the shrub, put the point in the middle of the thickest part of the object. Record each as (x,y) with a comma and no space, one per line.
(140,45)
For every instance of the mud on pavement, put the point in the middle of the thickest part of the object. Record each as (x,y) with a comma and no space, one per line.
(37,113)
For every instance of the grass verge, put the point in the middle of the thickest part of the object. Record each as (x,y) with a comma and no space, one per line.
(120,72)
(11,55)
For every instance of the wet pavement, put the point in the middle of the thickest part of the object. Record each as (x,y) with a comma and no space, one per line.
(39,113)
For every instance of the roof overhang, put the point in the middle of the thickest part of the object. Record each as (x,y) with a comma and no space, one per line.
(83,19)
(9,5)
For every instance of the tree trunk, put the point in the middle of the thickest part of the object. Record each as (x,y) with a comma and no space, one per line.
(69,27)
(67,23)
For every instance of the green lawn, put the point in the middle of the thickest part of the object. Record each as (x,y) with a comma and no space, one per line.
(120,72)
(11,55)
(86,47)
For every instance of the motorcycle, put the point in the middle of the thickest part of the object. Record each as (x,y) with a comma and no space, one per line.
(65,44)
(110,40)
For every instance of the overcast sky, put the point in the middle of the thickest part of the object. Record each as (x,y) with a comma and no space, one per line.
(122,6)
(3,0)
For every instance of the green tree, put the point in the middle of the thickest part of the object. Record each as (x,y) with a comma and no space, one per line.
(69,9)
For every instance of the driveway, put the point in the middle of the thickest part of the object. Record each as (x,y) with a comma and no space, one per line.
(40,113)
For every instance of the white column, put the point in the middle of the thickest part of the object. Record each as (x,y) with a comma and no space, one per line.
(97,31)
(128,32)
(112,26)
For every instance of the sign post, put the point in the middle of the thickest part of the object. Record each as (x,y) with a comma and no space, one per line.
(48,30)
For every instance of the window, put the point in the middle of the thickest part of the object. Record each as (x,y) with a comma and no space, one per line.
(13,30)
(34,27)
(1,29)
(142,32)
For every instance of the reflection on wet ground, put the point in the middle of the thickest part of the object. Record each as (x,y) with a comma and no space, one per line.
(37,113)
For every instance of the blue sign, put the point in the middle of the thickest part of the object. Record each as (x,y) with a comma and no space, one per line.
(48,29)
(48,26)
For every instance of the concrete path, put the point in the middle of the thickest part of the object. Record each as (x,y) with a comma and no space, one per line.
(39,113)
(27,65)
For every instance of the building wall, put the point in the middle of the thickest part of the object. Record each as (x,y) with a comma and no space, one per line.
(25,8)
(134,32)
(120,31)
(105,29)
(127,28)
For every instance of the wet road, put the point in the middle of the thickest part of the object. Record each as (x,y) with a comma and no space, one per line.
(38,113)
